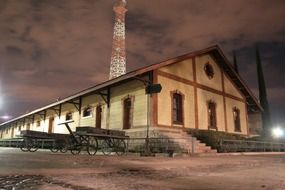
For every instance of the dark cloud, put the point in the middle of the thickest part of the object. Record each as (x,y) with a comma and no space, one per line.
(14,51)
(51,48)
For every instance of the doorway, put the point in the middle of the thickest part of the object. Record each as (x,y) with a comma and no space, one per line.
(127,113)
(98,116)
(50,125)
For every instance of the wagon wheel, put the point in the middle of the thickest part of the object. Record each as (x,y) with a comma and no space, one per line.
(24,146)
(76,149)
(64,147)
(54,147)
(92,146)
(32,145)
(107,146)
(120,146)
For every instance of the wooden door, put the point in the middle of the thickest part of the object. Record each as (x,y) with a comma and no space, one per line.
(127,113)
(98,116)
(50,125)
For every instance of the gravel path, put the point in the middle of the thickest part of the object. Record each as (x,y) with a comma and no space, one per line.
(46,171)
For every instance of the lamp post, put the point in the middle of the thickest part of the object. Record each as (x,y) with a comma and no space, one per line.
(150,89)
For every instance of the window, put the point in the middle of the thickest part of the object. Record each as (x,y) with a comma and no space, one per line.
(68,116)
(209,70)
(177,108)
(38,123)
(87,112)
(19,128)
(7,131)
(127,118)
(236,114)
(212,117)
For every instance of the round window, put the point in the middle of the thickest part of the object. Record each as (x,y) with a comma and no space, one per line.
(209,70)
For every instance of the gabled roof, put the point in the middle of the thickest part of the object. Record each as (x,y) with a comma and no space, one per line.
(215,51)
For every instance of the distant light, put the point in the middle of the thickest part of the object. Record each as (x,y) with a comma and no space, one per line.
(277,132)
(5,117)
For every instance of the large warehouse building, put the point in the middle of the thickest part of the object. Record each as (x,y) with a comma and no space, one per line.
(200,90)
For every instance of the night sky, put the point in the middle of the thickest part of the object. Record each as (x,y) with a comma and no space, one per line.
(54,48)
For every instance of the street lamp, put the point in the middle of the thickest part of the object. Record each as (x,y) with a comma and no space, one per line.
(277,132)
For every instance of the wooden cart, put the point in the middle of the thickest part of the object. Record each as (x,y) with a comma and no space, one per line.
(92,139)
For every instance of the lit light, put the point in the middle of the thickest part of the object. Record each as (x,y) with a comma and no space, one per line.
(5,117)
(277,132)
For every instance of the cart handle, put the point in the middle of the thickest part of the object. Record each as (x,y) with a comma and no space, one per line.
(66,122)
(69,130)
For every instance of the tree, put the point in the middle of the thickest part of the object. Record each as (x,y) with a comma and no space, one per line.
(266,120)
(235,61)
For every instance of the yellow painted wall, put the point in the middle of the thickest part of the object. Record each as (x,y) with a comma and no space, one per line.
(230,88)
(133,88)
(182,69)
(202,78)
(230,104)
(164,102)
(93,101)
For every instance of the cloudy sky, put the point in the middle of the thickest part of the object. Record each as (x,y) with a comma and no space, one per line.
(54,48)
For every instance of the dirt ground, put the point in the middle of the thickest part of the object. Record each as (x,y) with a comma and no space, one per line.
(55,171)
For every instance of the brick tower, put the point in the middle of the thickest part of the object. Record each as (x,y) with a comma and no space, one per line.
(118,59)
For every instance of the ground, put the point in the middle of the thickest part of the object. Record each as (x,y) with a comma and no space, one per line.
(51,171)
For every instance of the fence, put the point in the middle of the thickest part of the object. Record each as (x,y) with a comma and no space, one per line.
(156,145)
(17,142)
(250,146)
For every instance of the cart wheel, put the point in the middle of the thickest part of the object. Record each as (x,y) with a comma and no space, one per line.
(92,146)
(54,147)
(64,148)
(107,146)
(24,146)
(76,149)
(120,146)
(32,145)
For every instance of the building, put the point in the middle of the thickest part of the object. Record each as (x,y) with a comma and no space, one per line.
(200,90)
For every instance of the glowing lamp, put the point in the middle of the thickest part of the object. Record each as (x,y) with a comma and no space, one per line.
(277,132)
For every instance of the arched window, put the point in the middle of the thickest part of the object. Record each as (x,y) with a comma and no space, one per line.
(87,112)
(177,108)
(38,123)
(209,70)
(68,116)
(236,115)
(212,115)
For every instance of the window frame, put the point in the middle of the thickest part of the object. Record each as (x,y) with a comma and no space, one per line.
(38,123)
(131,116)
(237,111)
(209,70)
(212,104)
(91,112)
(179,110)
(66,115)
